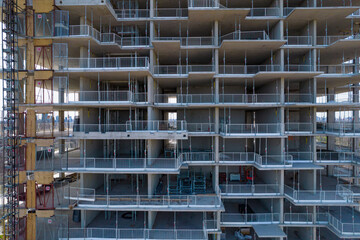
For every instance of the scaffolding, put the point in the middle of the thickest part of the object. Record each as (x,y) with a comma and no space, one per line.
(11,139)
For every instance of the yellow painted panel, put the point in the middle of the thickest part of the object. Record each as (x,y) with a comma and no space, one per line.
(40,75)
(30,123)
(44,142)
(30,23)
(30,90)
(43,6)
(30,55)
(44,177)
(22,176)
(30,156)
(31,226)
(22,212)
(30,194)
(42,42)
(45,213)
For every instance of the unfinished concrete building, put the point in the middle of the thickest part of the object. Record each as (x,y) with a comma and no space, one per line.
(189,119)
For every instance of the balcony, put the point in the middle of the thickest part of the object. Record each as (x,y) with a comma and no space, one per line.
(247,69)
(201,128)
(167,13)
(341,129)
(254,159)
(184,99)
(298,219)
(239,220)
(337,157)
(182,70)
(119,165)
(330,99)
(340,69)
(260,99)
(156,126)
(299,41)
(106,64)
(329,40)
(130,233)
(298,98)
(198,158)
(341,228)
(187,42)
(319,197)
(264,13)
(204,4)
(87,199)
(293,128)
(103,97)
(244,130)
(132,14)
(249,190)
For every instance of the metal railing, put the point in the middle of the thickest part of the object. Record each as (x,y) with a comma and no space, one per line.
(110,96)
(245,35)
(156,125)
(171,12)
(264,12)
(298,68)
(238,157)
(251,218)
(184,99)
(132,13)
(197,157)
(301,156)
(298,127)
(319,196)
(328,40)
(131,233)
(249,189)
(298,218)
(101,63)
(181,69)
(204,4)
(247,69)
(337,98)
(249,98)
(189,41)
(103,128)
(200,127)
(269,161)
(79,194)
(350,229)
(155,201)
(298,98)
(338,157)
(253,129)
(346,68)
(299,40)
(120,164)
(341,128)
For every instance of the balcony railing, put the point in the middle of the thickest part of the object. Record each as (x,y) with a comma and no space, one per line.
(182,69)
(120,164)
(171,12)
(319,196)
(298,68)
(156,125)
(299,40)
(328,40)
(301,156)
(245,35)
(131,233)
(247,69)
(115,63)
(201,127)
(238,157)
(132,13)
(145,202)
(346,68)
(264,12)
(204,4)
(298,98)
(249,219)
(184,99)
(198,157)
(343,128)
(291,127)
(250,129)
(330,98)
(110,96)
(103,128)
(234,190)
(298,218)
(249,98)
(338,157)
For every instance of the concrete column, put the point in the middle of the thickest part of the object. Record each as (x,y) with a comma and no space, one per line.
(150,89)
(331,119)
(282,90)
(217,90)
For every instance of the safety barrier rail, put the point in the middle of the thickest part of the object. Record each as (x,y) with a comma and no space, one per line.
(245,35)
(181,69)
(341,128)
(251,218)
(200,127)
(249,189)
(249,98)
(156,125)
(338,157)
(298,218)
(184,99)
(269,128)
(299,40)
(264,12)
(298,98)
(293,127)
(346,68)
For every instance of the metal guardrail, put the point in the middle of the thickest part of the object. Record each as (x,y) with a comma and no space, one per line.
(249,98)
(156,125)
(103,63)
(249,189)
(245,35)
(184,99)
(346,68)
(292,127)
(204,4)
(251,129)
(182,69)
(110,96)
(298,218)
(256,159)
(301,156)
(251,218)
(299,40)
(171,12)
(337,98)
(338,157)
(341,128)
(248,69)
(298,98)
(130,233)
(328,40)
(319,196)
(132,13)
(197,157)
(264,12)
